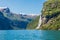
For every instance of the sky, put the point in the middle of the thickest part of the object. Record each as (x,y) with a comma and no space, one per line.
(23,6)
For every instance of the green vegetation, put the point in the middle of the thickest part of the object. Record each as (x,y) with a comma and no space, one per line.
(50,7)
(51,11)
(33,24)
(52,24)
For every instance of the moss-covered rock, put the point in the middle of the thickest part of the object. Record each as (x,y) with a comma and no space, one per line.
(51,11)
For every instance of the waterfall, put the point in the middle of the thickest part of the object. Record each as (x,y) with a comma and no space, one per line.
(39,23)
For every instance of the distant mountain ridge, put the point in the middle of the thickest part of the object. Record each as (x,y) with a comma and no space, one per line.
(10,20)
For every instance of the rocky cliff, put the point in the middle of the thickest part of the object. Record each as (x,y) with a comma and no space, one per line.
(50,16)
(10,20)
(51,11)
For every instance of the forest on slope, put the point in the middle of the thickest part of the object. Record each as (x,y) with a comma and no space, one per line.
(51,13)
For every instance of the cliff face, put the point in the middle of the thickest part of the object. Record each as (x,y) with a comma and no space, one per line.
(10,21)
(51,11)
(50,16)
(4,22)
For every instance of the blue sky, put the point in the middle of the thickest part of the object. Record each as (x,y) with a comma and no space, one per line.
(23,6)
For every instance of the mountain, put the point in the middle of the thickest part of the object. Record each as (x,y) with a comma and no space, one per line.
(4,22)
(51,12)
(10,20)
(33,24)
(5,9)
(50,16)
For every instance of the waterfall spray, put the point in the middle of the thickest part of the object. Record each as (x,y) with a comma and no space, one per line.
(39,23)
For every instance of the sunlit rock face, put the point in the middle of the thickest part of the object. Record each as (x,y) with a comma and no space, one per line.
(51,13)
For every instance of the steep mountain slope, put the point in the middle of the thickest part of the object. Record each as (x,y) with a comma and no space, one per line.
(9,20)
(51,11)
(33,24)
(50,16)
(4,22)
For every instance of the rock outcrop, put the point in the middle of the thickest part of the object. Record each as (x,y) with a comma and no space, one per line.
(50,17)
(51,11)
(10,20)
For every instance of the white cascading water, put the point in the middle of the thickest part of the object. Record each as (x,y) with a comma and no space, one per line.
(39,23)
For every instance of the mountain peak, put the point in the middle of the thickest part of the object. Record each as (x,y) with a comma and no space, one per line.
(4,9)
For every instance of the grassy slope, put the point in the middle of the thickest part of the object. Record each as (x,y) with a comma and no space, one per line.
(33,23)
(51,12)
(52,24)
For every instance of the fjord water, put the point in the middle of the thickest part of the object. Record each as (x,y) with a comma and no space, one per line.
(29,35)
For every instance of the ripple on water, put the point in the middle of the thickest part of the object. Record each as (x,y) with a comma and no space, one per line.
(29,35)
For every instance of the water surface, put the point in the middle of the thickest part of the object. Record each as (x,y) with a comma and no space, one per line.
(29,35)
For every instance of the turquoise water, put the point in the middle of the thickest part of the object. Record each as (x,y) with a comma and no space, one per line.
(29,35)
